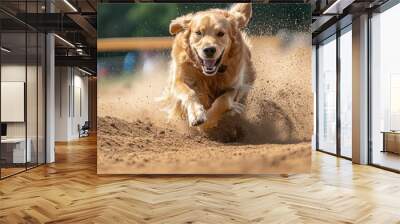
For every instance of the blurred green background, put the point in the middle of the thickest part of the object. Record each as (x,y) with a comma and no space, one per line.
(152,19)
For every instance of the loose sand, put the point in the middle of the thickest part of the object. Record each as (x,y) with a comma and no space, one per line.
(142,147)
(273,136)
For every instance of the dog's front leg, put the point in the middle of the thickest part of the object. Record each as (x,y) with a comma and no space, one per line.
(196,114)
(221,105)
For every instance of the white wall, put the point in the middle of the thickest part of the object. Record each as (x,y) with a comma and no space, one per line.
(81,103)
(13,101)
(62,81)
(16,73)
(70,84)
(12,73)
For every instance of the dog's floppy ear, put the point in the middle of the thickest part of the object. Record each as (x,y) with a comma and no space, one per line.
(242,13)
(180,23)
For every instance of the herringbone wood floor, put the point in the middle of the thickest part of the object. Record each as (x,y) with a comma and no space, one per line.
(69,191)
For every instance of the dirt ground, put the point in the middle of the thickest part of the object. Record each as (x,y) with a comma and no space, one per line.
(142,147)
(273,136)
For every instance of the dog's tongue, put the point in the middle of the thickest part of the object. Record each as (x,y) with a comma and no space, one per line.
(209,62)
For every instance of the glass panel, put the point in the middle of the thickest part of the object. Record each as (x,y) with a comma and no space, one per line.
(41,99)
(327,96)
(386,89)
(31,100)
(13,88)
(32,90)
(346,93)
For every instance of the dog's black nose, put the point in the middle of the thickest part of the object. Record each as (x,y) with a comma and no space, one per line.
(209,51)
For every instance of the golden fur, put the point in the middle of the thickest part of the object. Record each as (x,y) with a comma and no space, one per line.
(192,93)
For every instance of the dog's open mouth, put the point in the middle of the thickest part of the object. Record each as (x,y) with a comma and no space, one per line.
(210,66)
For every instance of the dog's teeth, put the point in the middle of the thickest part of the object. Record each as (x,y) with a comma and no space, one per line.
(210,68)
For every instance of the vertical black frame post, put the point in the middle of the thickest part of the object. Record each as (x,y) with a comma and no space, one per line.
(317,97)
(369,78)
(37,89)
(338,82)
(26,86)
(44,79)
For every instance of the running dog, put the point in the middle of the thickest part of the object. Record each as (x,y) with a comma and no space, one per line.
(212,71)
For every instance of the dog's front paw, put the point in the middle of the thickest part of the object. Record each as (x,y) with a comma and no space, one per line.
(196,115)
(236,108)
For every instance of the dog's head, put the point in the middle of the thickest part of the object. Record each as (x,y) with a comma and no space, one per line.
(210,34)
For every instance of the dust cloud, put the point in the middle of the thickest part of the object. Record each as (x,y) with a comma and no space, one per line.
(273,136)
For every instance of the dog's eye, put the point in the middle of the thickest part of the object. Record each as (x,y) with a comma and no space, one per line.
(198,33)
(220,34)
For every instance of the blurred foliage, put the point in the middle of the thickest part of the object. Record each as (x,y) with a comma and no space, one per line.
(152,19)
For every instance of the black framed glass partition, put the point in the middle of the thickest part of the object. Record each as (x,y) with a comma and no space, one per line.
(13,90)
(22,77)
(334,94)
(385,89)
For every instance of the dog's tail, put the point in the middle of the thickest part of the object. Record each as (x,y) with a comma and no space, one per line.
(169,105)
(168,102)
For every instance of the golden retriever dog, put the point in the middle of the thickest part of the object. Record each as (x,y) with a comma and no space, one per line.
(212,70)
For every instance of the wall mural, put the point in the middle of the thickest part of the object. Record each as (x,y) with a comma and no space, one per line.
(187,88)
